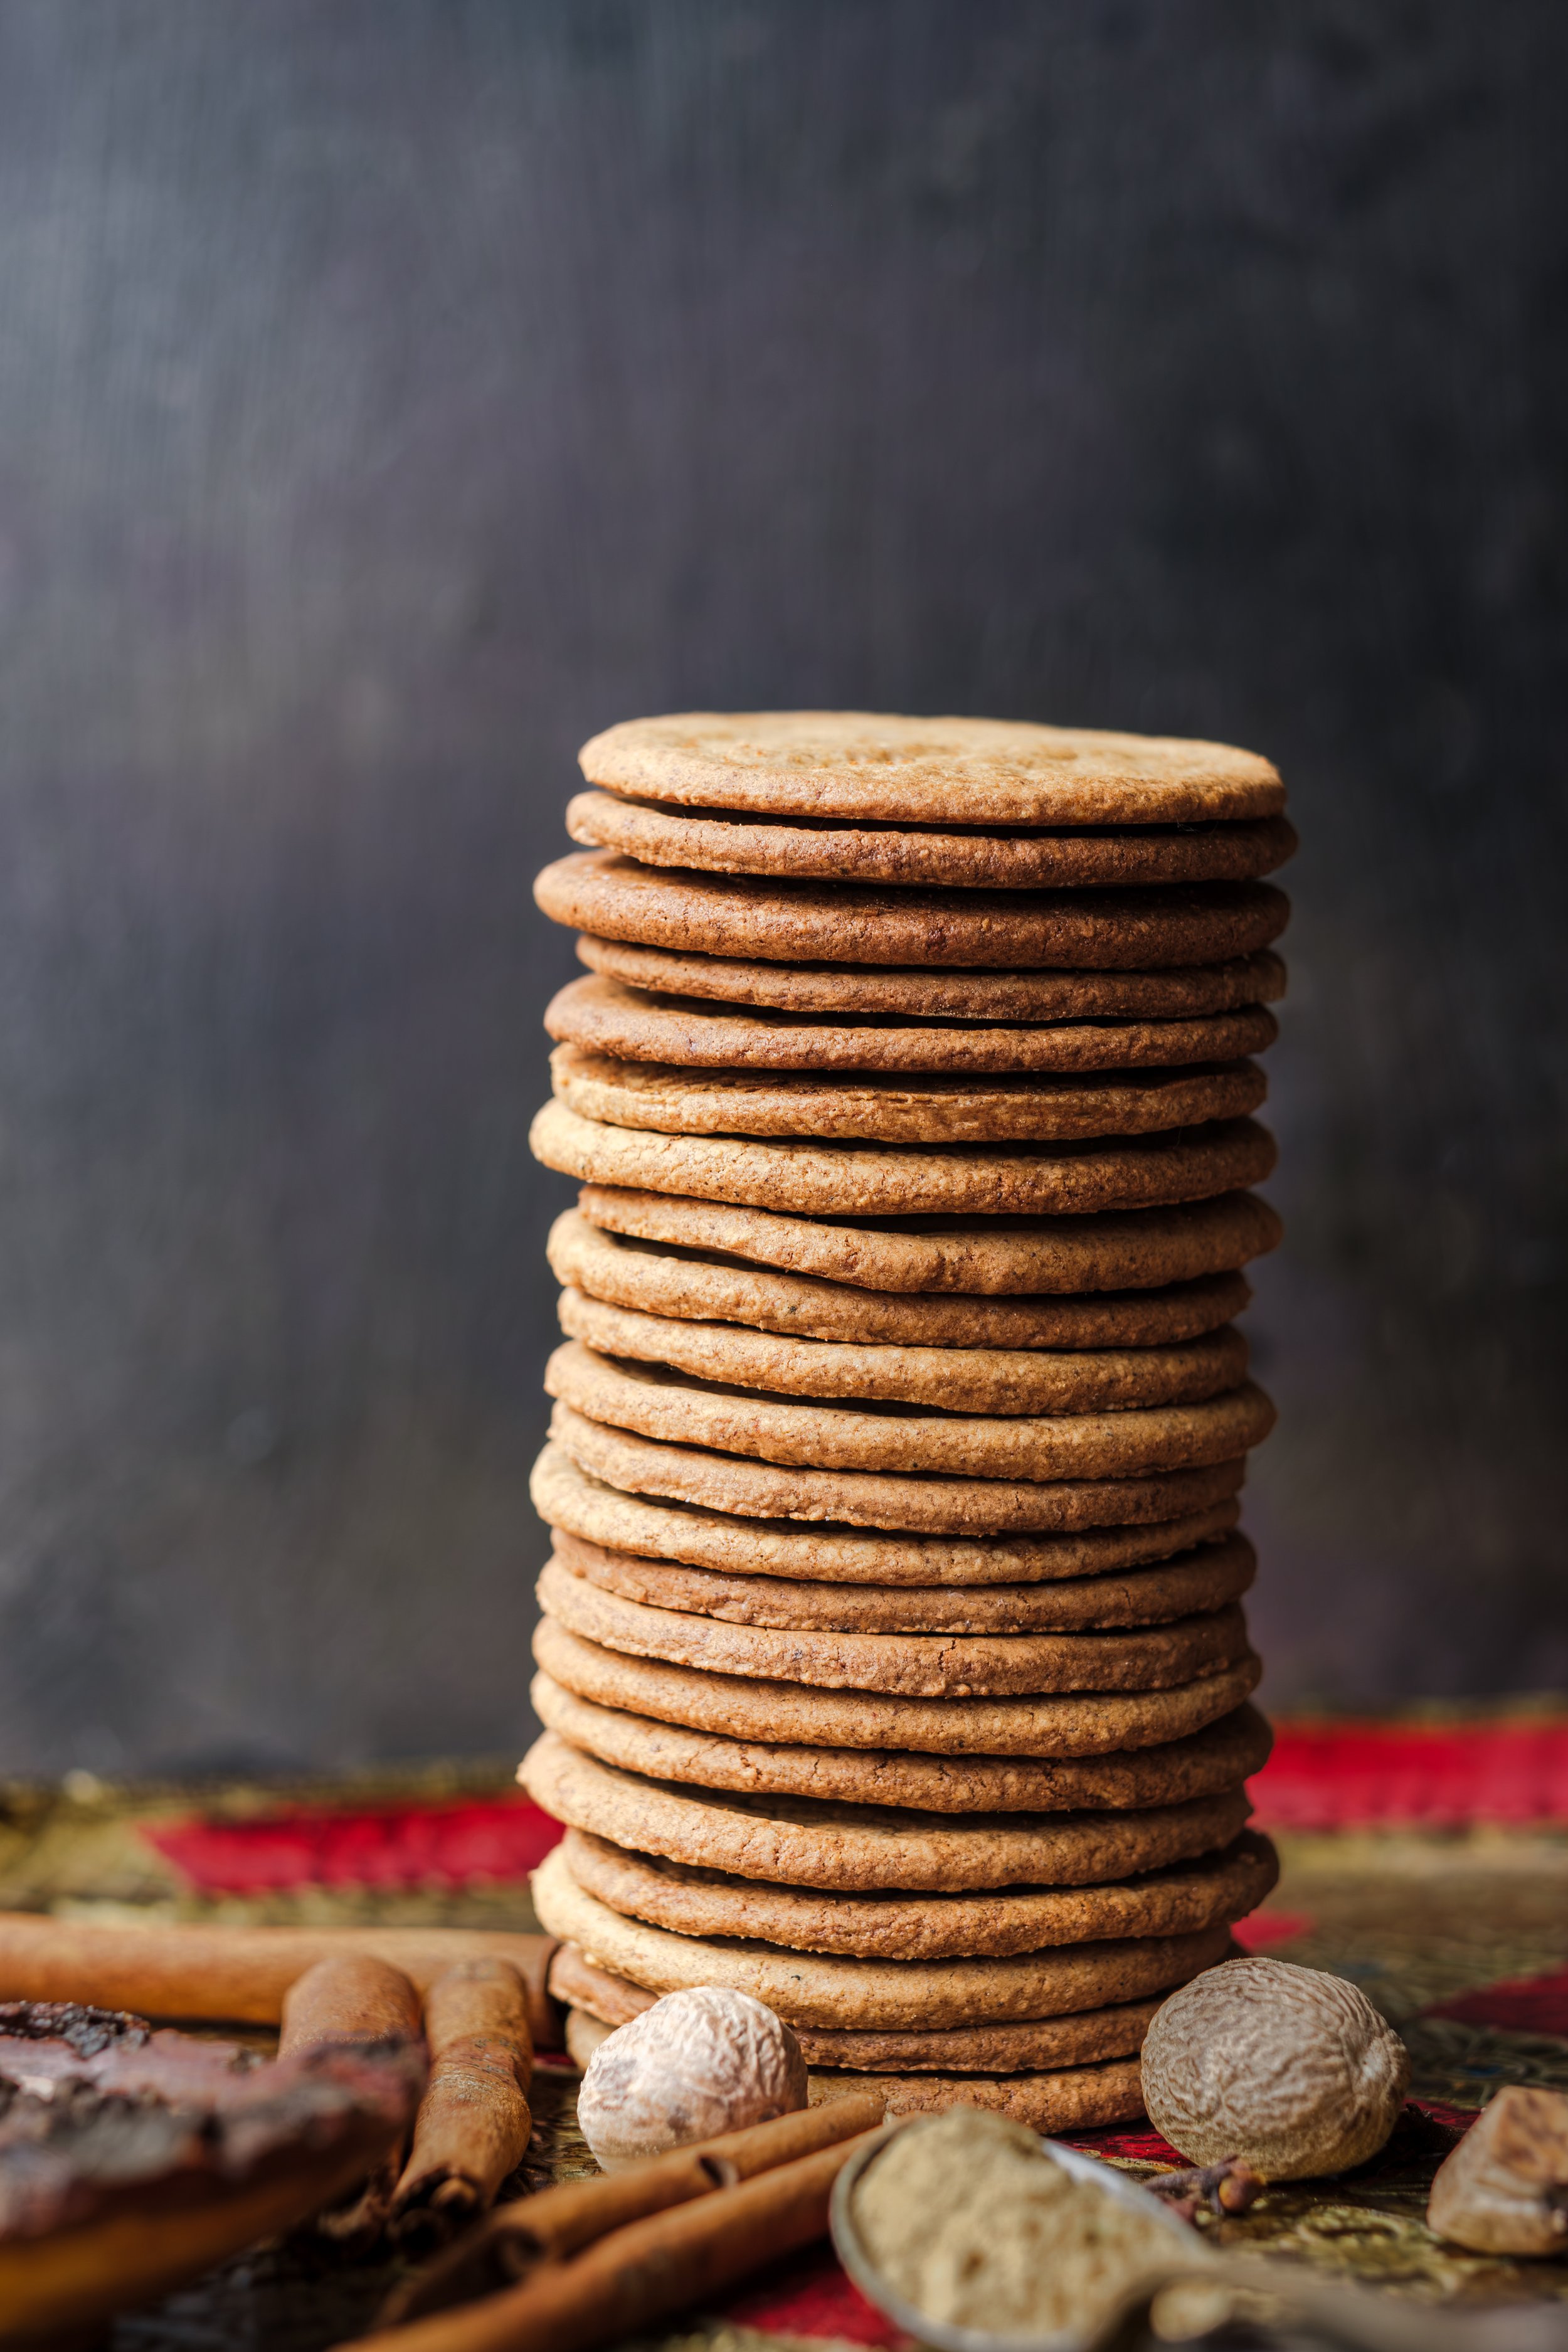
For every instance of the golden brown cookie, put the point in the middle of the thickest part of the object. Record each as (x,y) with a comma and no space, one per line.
(924,1505)
(669,1406)
(1142,1250)
(870,1108)
(925,992)
(879,1996)
(846,1180)
(576,1504)
(886,767)
(916,1666)
(654,1278)
(1045,2041)
(1201,1579)
(1182,1900)
(918,856)
(1078,2098)
(826,922)
(949,1380)
(604,1017)
(1198,1765)
(1077,1722)
(799,1842)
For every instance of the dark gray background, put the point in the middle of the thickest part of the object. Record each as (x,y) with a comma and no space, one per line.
(392,391)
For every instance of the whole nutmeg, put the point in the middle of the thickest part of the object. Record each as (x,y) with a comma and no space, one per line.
(698,2063)
(1291,2070)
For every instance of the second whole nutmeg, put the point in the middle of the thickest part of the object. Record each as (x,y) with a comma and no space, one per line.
(1288,2068)
(698,2062)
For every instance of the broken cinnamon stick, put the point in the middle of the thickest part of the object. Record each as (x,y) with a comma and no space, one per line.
(238,1975)
(624,2281)
(559,2221)
(473,2122)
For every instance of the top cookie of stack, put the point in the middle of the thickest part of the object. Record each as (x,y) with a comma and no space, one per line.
(911,1088)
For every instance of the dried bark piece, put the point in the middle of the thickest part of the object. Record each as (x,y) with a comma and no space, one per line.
(1504,2190)
(110,2200)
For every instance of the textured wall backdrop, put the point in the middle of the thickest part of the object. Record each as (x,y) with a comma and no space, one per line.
(394,392)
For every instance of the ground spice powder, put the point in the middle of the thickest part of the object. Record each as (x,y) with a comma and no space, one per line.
(968,2218)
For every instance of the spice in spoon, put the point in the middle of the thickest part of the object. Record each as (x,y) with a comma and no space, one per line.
(970,2219)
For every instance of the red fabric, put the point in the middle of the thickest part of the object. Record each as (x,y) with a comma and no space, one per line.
(395,1846)
(812,2296)
(1518,2005)
(1337,1775)
(1264,1929)
(1322,1776)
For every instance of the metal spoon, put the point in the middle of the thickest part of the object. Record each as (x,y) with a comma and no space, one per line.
(1323,2312)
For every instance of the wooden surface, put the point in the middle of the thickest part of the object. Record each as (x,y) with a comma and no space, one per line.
(394,391)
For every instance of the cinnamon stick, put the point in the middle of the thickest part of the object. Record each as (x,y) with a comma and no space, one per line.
(625,2281)
(559,2221)
(355,2001)
(473,2123)
(221,1974)
(350,1998)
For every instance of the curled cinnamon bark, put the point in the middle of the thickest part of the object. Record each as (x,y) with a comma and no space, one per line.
(238,1975)
(558,2222)
(624,2281)
(353,1999)
(473,2122)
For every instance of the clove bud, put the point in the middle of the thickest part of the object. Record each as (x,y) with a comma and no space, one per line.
(1228,2187)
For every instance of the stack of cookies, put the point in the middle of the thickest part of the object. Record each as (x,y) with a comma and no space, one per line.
(893,1664)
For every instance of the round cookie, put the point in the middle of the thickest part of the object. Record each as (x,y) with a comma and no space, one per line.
(797,1842)
(668,1405)
(579,1506)
(1196,1580)
(652,1279)
(1071,2100)
(997,1924)
(914,1666)
(1078,2098)
(1043,2041)
(951,1380)
(1077,1722)
(843,922)
(732,1483)
(885,1996)
(604,1017)
(1201,1764)
(869,1108)
(978,1258)
(886,768)
(817,850)
(846,1180)
(1181,991)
